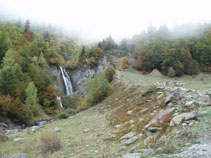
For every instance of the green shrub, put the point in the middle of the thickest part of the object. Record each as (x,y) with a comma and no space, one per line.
(171,72)
(71,111)
(98,89)
(109,74)
(70,101)
(83,105)
(62,115)
(55,58)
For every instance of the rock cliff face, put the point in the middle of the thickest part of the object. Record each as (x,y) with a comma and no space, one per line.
(80,77)
(57,78)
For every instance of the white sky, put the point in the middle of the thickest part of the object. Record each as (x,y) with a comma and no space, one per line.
(100,18)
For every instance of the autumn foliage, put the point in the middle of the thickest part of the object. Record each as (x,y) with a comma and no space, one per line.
(124,64)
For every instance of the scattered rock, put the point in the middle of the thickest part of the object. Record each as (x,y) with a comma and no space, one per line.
(176,95)
(184,124)
(118,126)
(148,152)
(129,112)
(148,139)
(22,155)
(168,98)
(131,121)
(128,135)
(144,110)
(159,116)
(140,119)
(190,103)
(17,140)
(183,90)
(149,134)
(160,87)
(86,130)
(123,148)
(3,125)
(158,97)
(154,129)
(100,134)
(57,129)
(186,116)
(196,151)
(132,155)
(41,123)
(130,141)
(190,124)
(33,129)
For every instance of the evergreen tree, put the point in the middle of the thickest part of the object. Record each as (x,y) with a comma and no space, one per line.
(3,46)
(31,97)
(27,26)
(9,75)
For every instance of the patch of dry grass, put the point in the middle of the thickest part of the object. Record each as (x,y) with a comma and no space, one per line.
(49,144)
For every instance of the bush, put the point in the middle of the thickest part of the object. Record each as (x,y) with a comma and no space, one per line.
(55,58)
(71,111)
(70,101)
(171,72)
(50,144)
(124,64)
(62,115)
(83,105)
(65,114)
(98,89)
(15,110)
(71,65)
(109,74)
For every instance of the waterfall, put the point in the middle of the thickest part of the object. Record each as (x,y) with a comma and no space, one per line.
(60,102)
(67,82)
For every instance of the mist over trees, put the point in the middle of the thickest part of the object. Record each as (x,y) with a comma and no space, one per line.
(173,55)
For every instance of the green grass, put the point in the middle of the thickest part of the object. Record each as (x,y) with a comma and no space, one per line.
(74,140)
(202,81)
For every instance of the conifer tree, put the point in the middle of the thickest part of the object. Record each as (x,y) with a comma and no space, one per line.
(31,97)
(9,75)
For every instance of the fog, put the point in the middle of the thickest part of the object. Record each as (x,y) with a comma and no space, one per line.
(95,19)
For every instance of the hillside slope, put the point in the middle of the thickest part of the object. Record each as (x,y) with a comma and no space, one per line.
(162,121)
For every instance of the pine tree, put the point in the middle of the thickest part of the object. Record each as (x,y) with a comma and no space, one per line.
(27,26)
(9,75)
(3,46)
(31,97)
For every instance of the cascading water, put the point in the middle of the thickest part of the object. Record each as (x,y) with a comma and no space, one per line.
(67,82)
(60,102)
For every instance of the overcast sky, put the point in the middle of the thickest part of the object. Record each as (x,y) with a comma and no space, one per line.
(100,18)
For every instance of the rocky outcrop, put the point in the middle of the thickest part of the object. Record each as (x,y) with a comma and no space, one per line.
(186,116)
(81,76)
(57,78)
(159,117)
